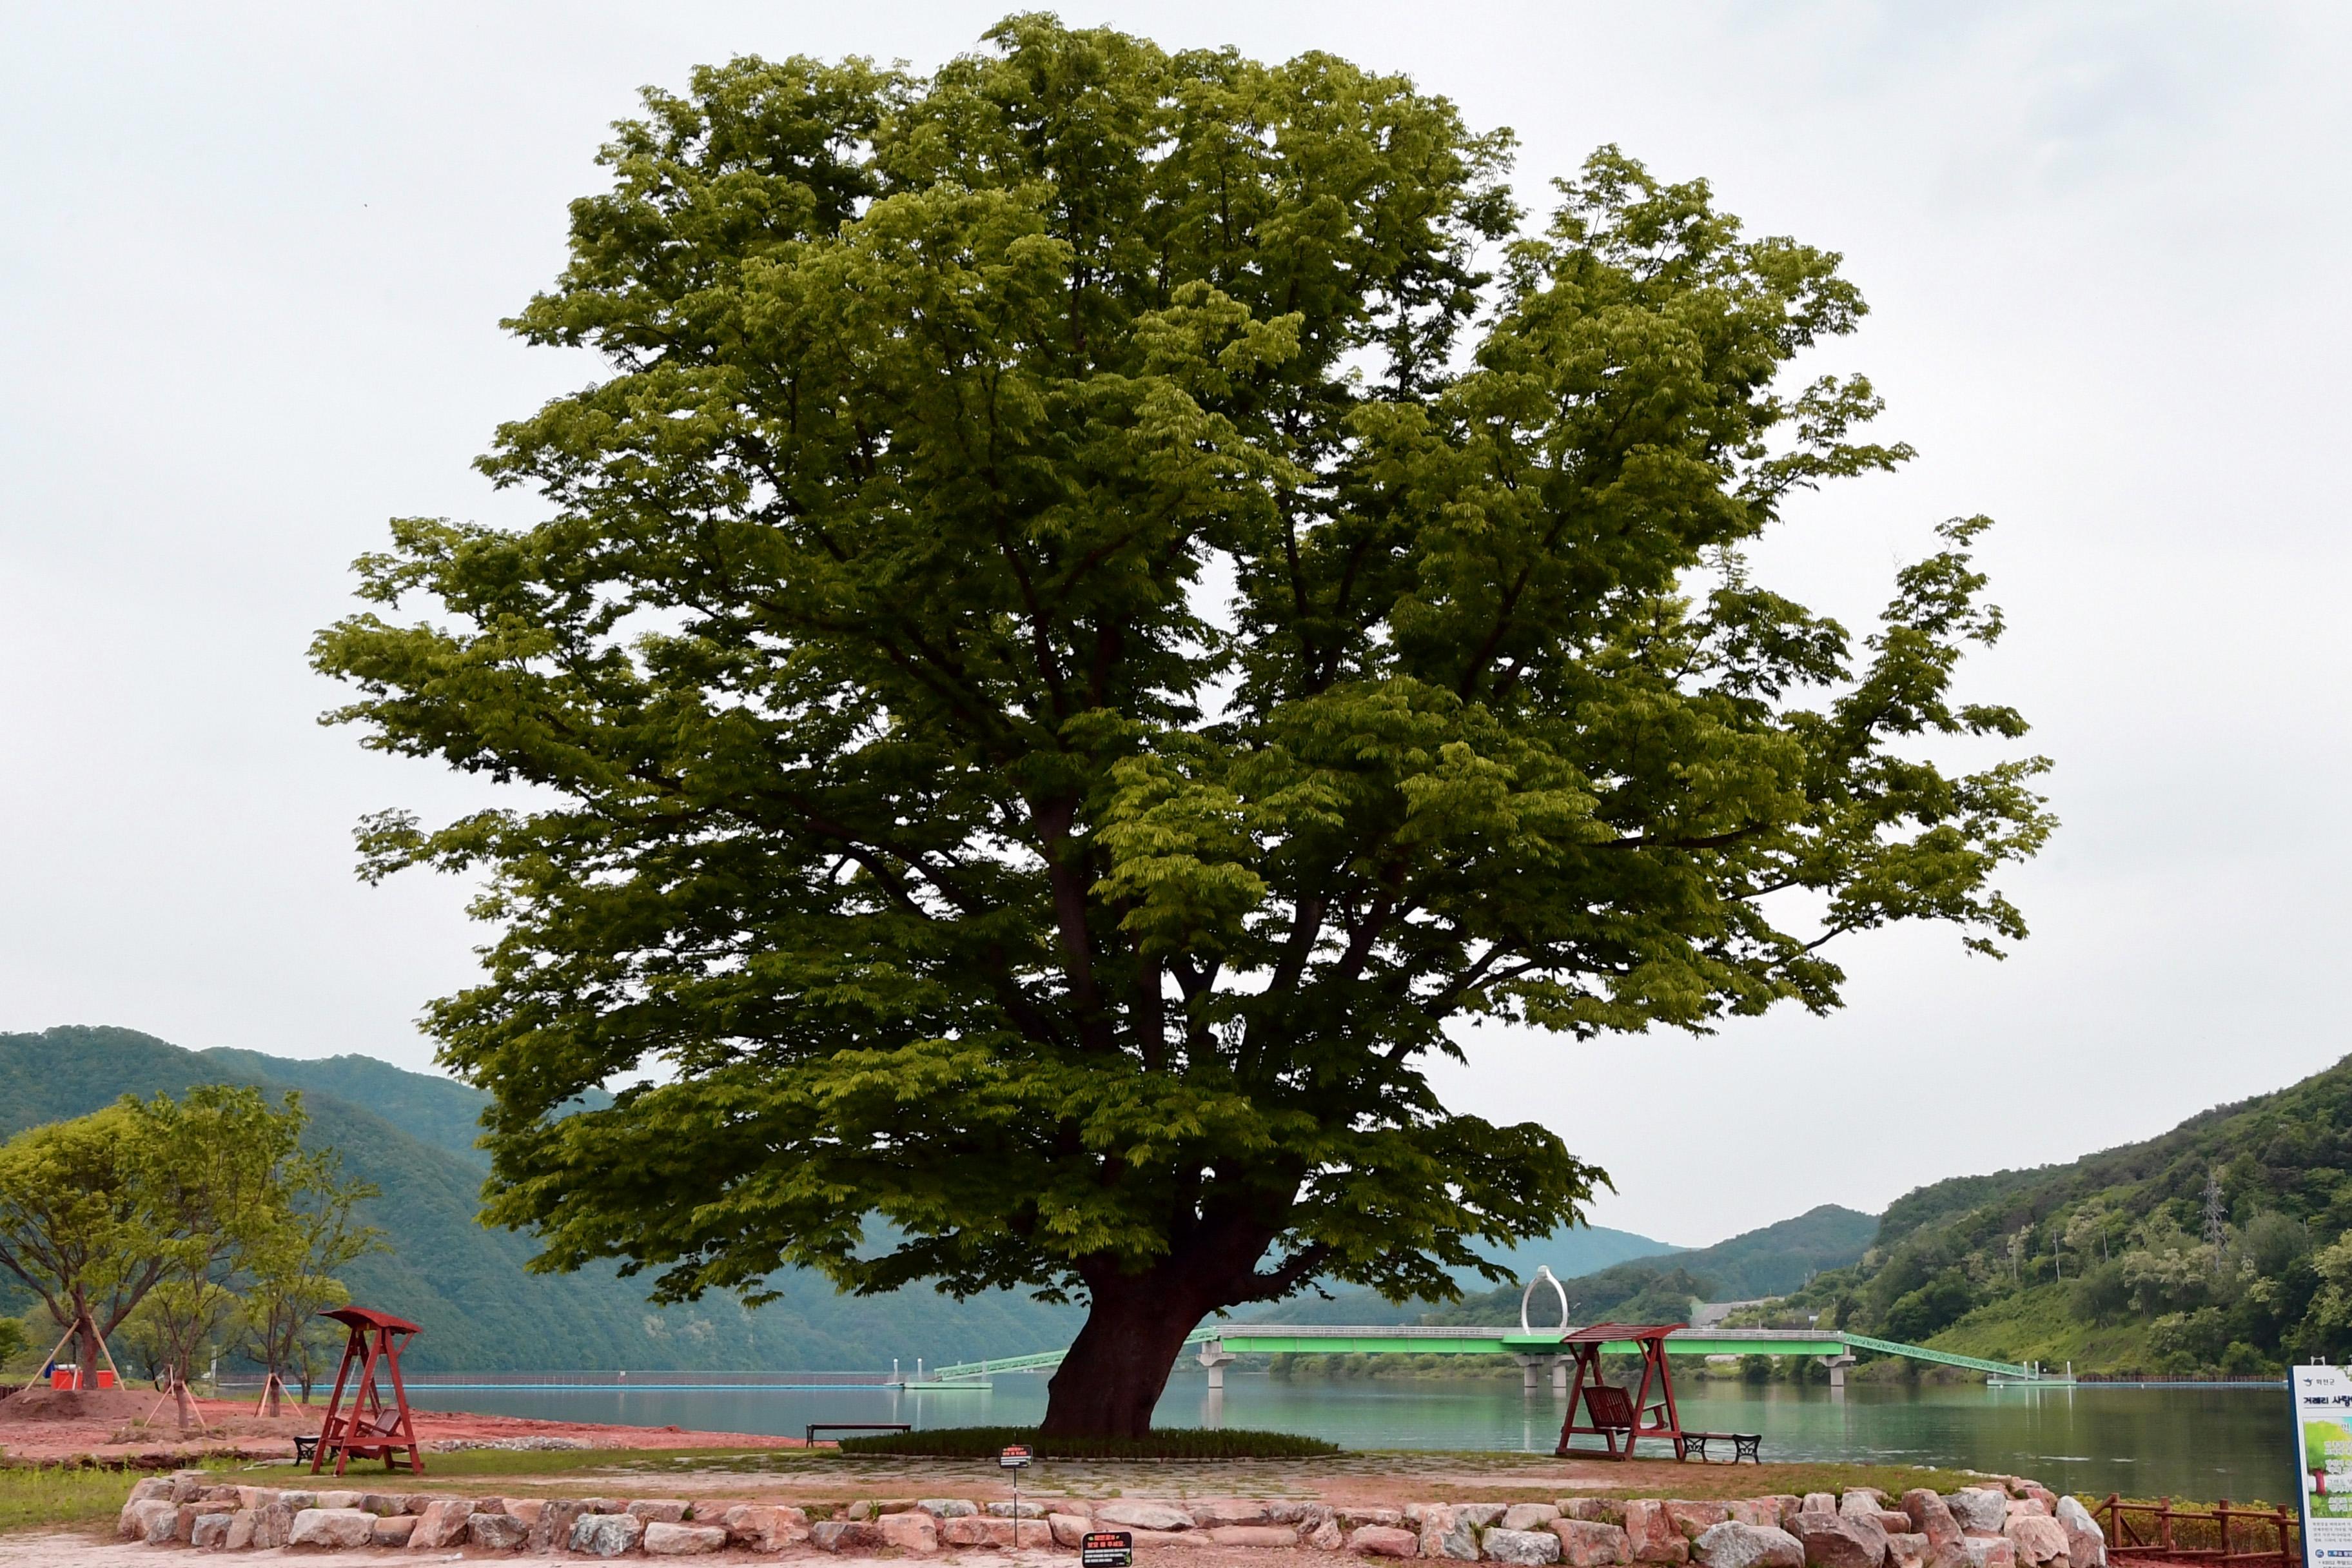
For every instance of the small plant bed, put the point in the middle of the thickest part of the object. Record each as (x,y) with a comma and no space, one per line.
(1170,1442)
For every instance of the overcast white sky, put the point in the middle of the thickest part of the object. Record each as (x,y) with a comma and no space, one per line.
(252,259)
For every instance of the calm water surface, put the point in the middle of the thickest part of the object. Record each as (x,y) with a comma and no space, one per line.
(2184,1442)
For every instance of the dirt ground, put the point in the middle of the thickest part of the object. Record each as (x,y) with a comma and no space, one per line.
(143,1428)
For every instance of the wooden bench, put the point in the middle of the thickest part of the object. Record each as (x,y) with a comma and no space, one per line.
(816,1426)
(303,1447)
(1744,1445)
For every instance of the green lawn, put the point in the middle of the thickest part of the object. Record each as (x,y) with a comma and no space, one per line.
(35,1497)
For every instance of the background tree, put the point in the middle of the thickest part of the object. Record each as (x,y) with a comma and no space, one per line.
(218,1162)
(78,1224)
(294,1268)
(1082,633)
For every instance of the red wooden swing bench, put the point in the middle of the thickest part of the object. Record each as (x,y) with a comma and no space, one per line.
(366,1429)
(1612,1415)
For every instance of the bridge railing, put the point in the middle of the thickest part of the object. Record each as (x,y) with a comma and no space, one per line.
(1387,1337)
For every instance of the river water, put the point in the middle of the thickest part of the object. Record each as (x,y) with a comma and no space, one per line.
(2191,1443)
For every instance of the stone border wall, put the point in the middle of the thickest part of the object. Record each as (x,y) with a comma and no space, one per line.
(2005,1524)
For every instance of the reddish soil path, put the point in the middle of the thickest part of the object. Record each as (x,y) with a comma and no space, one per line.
(44,1424)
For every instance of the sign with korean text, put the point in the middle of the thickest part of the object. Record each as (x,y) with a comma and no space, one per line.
(2323,1447)
(1108,1549)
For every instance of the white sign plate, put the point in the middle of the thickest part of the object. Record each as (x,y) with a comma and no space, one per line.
(2323,1451)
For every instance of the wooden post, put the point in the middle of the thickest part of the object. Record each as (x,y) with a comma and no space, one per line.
(2164,1522)
(2221,1513)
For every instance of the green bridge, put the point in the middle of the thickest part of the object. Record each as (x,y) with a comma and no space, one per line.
(1534,1349)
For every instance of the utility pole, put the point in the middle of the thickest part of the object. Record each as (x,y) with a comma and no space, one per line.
(2215,1231)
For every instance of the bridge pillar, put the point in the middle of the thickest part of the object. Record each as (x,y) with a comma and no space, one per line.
(1527,1368)
(1837,1365)
(1214,1356)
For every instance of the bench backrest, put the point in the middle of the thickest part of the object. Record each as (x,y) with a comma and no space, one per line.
(1609,1404)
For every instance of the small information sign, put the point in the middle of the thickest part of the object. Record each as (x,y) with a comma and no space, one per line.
(1108,1549)
(1014,1458)
(2323,1446)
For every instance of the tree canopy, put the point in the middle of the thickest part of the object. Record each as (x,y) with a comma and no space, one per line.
(155,1213)
(1103,600)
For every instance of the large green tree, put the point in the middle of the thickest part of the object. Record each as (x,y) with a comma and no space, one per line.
(1079,632)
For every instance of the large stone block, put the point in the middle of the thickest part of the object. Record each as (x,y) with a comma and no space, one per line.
(332,1528)
(384,1504)
(272,1525)
(184,1521)
(1590,1543)
(1738,1544)
(1210,1512)
(1504,1544)
(339,1500)
(664,1539)
(442,1524)
(1025,1508)
(1069,1528)
(1834,1541)
(1530,1516)
(606,1534)
(1979,1509)
(1695,1519)
(1601,1509)
(1282,1535)
(2086,1543)
(1325,1537)
(948,1507)
(551,1531)
(845,1535)
(768,1527)
(2038,1538)
(979,1530)
(1355,1518)
(141,1514)
(914,1531)
(392,1529)
(1762,1512)
(1445,1533)
(1142,1513)
(1991,1552)
(1907,1549)
(151,1488)
(500,1532)
(1384,1540)
(662,1509)
(1653,1536)
(187,1486)
(210,1533)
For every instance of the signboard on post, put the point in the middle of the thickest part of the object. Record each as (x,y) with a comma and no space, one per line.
(1108,1549)
(2323,1452)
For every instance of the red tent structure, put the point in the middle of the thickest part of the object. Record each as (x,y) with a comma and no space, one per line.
(1612,1412)
(366,1428)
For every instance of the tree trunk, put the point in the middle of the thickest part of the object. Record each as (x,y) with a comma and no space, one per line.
(88,1351)
(1117,1366)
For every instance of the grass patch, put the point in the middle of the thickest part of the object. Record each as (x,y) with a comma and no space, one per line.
(1170,1442)
(464,1463)
(35,1497)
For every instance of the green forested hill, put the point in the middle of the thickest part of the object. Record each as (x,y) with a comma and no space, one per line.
(412,1135)
(2224,1246)
(1752,1264)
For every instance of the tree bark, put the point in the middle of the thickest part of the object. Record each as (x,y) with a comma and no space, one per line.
(1117,1366)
